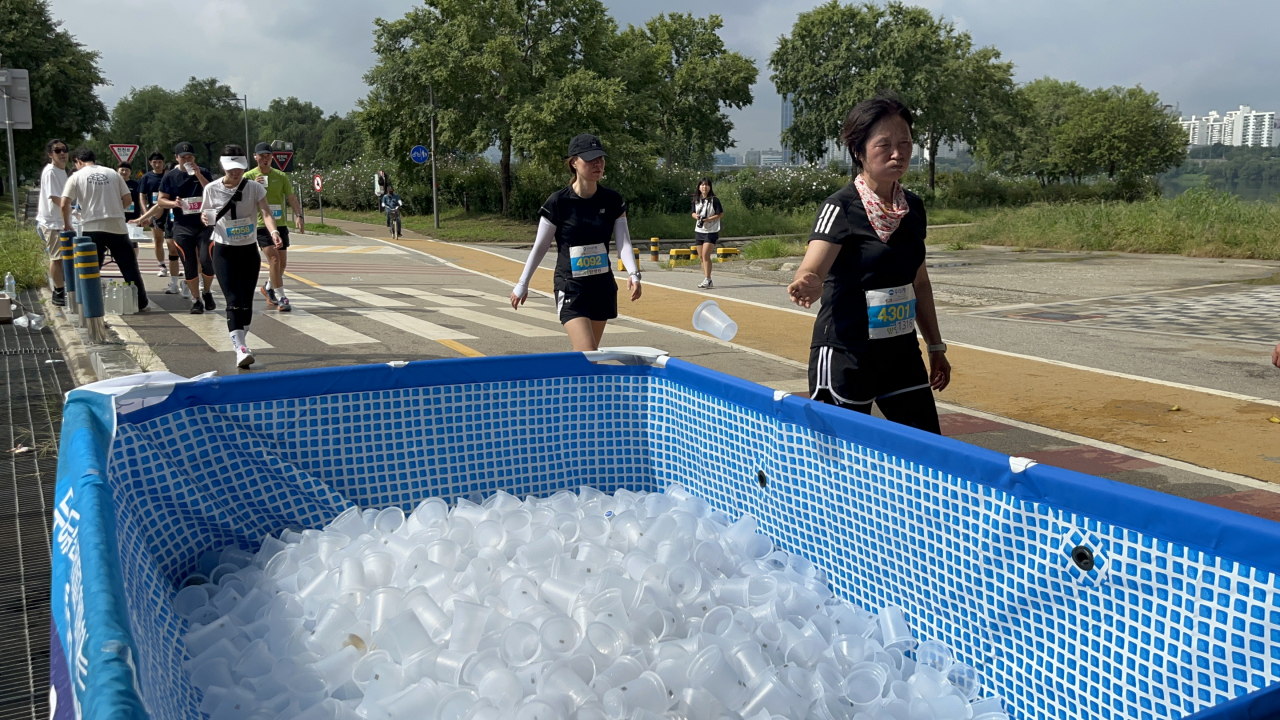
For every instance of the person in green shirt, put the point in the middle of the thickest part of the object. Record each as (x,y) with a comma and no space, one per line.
(279,190)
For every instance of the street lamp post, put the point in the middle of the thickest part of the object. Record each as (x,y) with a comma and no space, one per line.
(244,100)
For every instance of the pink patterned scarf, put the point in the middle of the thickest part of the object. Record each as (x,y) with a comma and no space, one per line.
(884,220)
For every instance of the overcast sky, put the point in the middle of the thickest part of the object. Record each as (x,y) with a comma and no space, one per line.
(1197,54)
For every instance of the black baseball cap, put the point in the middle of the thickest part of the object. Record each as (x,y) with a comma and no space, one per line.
(184,148)
(261,148)
(586,147)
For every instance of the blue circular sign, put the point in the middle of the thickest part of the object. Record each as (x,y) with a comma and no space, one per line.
(419,154)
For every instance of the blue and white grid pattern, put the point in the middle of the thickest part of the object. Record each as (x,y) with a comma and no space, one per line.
(1156,630)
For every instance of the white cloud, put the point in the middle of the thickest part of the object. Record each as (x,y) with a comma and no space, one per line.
(1194,54)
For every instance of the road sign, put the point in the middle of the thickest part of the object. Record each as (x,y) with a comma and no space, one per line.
(419,154)
(16,88)
(319,184)
(283,159)
(123,153)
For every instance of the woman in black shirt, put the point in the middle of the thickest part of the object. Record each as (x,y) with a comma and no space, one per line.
(866,261)
(581,218)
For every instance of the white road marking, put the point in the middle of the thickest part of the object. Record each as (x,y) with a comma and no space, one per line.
(327,332)
(411,324)
(499,323)
(610,329)
(433,297)
(501,300)
(367,298)
(212,328)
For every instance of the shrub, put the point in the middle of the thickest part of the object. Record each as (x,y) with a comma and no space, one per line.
(787,188)
(22,253)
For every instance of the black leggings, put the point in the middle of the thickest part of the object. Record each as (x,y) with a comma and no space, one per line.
(193,245)
(237,268)
(122,252)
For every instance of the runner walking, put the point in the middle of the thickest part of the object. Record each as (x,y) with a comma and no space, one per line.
(131,211)
(581,218)
(182,191)
(230,206)
(148,195)
(707,212)
(279,189)
(866,261)
(49,213)
(102,196)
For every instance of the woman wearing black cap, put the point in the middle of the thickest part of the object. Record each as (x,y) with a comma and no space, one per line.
(866,261)
(581,218)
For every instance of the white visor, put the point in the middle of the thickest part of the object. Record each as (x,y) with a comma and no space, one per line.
(238,162)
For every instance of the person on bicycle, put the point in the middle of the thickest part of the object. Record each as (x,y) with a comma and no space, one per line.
(391,205)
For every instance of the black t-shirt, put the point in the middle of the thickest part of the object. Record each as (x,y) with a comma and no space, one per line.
(581,222)
(149,186)
(864,263)
(133,198)
(177,184)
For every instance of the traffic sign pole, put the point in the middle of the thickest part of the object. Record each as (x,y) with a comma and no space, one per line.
(435,200)
(319,185)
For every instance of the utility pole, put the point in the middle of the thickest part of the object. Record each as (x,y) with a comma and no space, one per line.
(435,200)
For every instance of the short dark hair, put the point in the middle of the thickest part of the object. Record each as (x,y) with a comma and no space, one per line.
(124,166)
(232,151)
(155,156)
(84,154)
(48,147)
(864,116)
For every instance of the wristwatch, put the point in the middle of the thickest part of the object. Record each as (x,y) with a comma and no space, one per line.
(635,275)
(940,347)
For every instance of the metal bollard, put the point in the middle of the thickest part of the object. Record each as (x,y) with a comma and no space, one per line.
(90,286)
(653,249)
(67,242)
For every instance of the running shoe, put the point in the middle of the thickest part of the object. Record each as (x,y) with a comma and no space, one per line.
(183,291)
(173,287)
(244,357)
(269,294)
(706,284)
(59,297)
(162,272)
(197,308)
(209,304)
(285,305)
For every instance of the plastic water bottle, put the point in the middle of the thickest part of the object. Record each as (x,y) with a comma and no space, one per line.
(130,292)
(112,300)
(10,286)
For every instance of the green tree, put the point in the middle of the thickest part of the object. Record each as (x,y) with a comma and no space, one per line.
(838,55)
(1121,132)
(64,75)
(504,72)
(202,113)
(290,120)
(342,142)
(1028,148)
(696,80)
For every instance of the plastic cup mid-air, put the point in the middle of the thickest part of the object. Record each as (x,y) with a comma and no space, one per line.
(710,319)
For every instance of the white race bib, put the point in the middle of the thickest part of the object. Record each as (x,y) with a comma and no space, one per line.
(239,232)
(191,204)
(277,211)
(587,260)
(891,312)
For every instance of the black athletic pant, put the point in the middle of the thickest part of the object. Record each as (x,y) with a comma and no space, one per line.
(892,375)
(193,245)
(237,268)
(122,252)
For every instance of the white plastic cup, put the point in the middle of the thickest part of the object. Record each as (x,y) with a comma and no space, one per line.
(593,529)
(965,679)
(865,683)
(894,629)
(749,662)
(255,660)
(604,643)
(404,637)
(362,672)
(936,655)
(622,671)
(519,644)
(769,695)
(560,636)
(501,687)
(449,665)
(684,581)
(388,520)
(384,603)
(379,569)
(541,550)
(560,594)
(927,682)
(332,627)
(190,599)
(646,692)
(335,669)
(430,615)
(709,318)
(559,678)
(710,671)
(469,620)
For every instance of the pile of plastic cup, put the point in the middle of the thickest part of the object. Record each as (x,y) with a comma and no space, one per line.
(577,606)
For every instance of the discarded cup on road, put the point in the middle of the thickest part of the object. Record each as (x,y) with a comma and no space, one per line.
(710,319)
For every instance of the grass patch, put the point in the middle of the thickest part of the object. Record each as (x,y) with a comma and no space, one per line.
(455,225)
(958,246)
(1198,223)
(772,247)
(738,222)
(22,253)
(318,229)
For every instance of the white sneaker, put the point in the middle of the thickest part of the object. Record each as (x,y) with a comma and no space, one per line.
(706,284)
(244,357)
(184,291)
(163,272)
(173,287)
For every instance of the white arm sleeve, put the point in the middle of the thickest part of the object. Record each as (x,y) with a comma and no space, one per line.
(622,234)
(546,232)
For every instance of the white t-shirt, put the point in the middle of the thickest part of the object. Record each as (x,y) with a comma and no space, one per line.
(52,180)
(238,226)
(98,190)
(705,208)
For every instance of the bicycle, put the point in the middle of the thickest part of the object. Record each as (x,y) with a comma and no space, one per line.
(393,222)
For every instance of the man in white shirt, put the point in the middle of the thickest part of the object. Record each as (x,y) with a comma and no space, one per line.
(49,213)
(102,196)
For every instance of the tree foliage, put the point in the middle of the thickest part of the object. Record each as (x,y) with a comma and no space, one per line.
(838,55)
(64,75)
(696,79)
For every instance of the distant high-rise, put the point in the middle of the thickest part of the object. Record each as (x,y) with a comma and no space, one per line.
(788,116)
(1238,128)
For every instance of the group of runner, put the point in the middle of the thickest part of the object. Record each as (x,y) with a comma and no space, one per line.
(213,226)
(865,261)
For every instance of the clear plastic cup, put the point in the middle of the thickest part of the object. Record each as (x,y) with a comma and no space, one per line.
(559,678)
(429,614)
(936,655)
(709,318)
(560,636)
(216,672)
(520,644)
(389,520)
(560,594)
(748,661)
(501,687)
(362,671)
(332,627)
(594,529)
(255,660)
(965,679)
(622,671)
(403,636)
(469,621)
(189,599)
(927,682)
(384,603)
(335,669)
(603,643)
(646,692)
(865,683)
(684,581)
(379,569)
(710,671)
(894,629)
(540,550)
(770,695)
(448,666)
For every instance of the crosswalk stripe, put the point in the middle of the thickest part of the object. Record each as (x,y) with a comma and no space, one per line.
(411,324)
(367,298)
(498,323)
(611,328)
(212,328)
(309,300)
(357,249)
(432,297)
(529,302)
(327,332)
